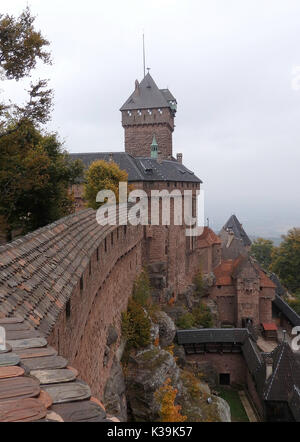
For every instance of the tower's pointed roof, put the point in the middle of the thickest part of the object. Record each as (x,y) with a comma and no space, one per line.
(154,142)
(148,96)
(236,228)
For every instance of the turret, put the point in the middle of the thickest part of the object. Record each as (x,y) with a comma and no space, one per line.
(148,109)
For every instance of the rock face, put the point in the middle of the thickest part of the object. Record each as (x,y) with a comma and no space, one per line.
(167,329)
(223,409)
(114,394)
(146,373)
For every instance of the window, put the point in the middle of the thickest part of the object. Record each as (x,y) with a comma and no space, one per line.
(105,245)
(125,230)
(224,379)
(112,238)
(97,253)
(68,309)
(81,283)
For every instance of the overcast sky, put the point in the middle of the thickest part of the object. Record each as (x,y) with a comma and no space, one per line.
(229,63)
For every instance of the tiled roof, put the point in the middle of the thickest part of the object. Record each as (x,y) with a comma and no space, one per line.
(207,238)
(148,96)
(223,273)
(38,385)
(206,335)
(229,270)
(141,169)
(233,225)
(269,326)
(39,271)
(288,312)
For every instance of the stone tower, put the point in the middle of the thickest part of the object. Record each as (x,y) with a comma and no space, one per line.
(149,112)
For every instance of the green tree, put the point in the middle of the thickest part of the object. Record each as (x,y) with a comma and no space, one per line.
(35,172)
(102,175)
(35,175)
(21,46)
(261,250)
(286,260)
(202,316)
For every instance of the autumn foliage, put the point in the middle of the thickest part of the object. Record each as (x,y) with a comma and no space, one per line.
(103,175)
(165,396)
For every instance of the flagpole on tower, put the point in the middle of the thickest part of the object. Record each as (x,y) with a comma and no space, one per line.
(144,55)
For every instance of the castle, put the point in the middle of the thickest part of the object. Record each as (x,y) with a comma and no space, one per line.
(63,289)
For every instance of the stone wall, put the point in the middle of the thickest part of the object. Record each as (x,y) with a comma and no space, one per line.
(81,333)
(229,363)
(140,128)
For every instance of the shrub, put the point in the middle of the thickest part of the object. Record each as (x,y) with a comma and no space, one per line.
(202,316)
(185,321)
(141,289)
(199,317)
(165,396)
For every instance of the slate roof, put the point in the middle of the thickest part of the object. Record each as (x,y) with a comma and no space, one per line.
(37,385)
(280,290)
(288,312)
(148,96)
(236,227)
(252,355)
(38,272)
(285,376)
(207,335)
(142,169)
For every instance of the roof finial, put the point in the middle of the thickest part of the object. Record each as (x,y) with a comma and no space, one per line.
(148,69)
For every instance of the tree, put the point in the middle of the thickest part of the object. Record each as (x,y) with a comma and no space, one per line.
(136,326)
(35,175)
(261,250)
(35,172)
(199,285)
(21,46)
(165,396)
(286,260)
(102,175)
(141,289)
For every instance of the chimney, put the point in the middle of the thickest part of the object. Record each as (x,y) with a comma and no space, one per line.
(179,158)
(269,367)
(110,158)
(136,88)
(159,157)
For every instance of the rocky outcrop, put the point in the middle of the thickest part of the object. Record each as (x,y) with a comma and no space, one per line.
(146,373)
(115,393)
(167,329)
(223,409)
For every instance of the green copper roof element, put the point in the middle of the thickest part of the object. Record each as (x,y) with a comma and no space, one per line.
(154,148)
